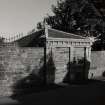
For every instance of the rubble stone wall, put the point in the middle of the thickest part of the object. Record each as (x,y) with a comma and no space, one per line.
(97,66)
(17,63)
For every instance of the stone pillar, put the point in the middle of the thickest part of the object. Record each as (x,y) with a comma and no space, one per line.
(71,53)
(44,70)
(88,53)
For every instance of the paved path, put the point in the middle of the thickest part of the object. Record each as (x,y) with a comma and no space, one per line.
(68,95)
(8,101)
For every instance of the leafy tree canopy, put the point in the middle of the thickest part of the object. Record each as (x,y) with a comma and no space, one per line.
(76,16)
(80,17)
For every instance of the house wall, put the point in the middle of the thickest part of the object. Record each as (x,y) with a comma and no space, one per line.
(18,63)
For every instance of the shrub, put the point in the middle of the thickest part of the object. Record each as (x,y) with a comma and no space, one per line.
(103,74)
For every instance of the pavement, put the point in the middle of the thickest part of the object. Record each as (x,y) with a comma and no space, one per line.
(88,94)
(8,101)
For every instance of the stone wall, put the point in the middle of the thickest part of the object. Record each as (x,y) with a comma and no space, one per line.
(17,63)
(97,64)
(61,58)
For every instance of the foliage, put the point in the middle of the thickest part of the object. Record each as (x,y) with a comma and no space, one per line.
(98,45)
(80,17)
(1,40)
(74,16)
(40,25)
(103,74)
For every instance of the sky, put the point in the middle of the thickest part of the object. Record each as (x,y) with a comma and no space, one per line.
(18,16)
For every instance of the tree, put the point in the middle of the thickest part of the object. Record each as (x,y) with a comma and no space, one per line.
(63,18)
(1,40)
(80,17)
(40,25)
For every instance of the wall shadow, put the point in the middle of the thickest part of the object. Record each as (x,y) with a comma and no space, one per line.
(77,71)
(36,82)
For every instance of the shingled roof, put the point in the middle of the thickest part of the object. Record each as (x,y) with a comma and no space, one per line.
(30,40)
(38,38)
(53,33)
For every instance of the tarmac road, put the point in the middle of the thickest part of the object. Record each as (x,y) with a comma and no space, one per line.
(8,101)
(91,94)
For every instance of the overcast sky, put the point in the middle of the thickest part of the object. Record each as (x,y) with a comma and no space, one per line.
(22,15)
